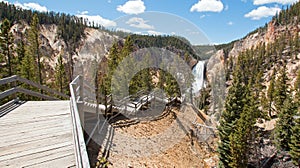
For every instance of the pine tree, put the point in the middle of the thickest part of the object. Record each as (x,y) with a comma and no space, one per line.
(270,95)
(122,75)
(146,73)
(295,141)
(28,68)
(281,89)
(113,58)
(32,49)
(112,65)
(295,137)
(60,75)
(143,79)
(239,144)
(283,130)
(20,54)
(296,45)
(6,45)
(171,86)
(161,77)
(297,89)
(243,136)
(234,105)
(127,49)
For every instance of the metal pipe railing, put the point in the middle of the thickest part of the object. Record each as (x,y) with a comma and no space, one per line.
(82,160)
(17,89)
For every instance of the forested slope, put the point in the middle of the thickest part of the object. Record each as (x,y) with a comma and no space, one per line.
(263,77)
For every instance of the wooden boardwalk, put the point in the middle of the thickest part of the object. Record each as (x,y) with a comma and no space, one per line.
(37,134)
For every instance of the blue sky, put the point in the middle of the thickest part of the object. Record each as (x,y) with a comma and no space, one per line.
(220,20)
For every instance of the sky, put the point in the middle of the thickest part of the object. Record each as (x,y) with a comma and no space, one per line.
(216,21)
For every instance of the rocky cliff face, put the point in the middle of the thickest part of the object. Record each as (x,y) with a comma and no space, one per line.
(272,32)
(94,46)
(267,36)
(216,66)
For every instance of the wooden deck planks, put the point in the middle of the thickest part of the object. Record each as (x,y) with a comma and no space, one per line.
(37,134)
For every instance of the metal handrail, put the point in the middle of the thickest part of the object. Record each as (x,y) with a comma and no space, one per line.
(81,155)
(16,89)
(82,160)
(81,93)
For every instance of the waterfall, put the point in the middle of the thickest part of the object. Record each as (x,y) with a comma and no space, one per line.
(198,72)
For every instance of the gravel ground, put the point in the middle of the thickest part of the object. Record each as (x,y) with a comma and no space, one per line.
(162,143)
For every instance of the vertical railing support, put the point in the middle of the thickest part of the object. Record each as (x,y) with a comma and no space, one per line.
(81,113)
(191,95)
(105,104)
(14,85)
(125,106)
(80,81)
(80,101)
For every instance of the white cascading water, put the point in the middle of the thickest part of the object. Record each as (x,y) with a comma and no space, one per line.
(198,72)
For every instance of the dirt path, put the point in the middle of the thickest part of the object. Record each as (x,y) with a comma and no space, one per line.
(162,143)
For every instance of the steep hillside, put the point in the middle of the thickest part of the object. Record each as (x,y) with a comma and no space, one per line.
(279,40)
(276,39)
(177,45)
(262,95)
(287,21)
(268,35)
(95,44)
(70,37)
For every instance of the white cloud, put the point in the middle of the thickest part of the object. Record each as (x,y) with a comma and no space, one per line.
(151,32)
(83,13)
(244,1)
(262,12)
(132,7)
(98,20)
(138,33)
(31,6)
(4,1)
(139,23)
(18,4)
(124,30)
(230,23)
(284,2)
(208,6)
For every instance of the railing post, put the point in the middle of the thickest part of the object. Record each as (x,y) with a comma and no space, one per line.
(80,82)
(14,85)
(105,103)
(80,101)
(125,106)
(110,104)
(191,95)
(154,102)
(81,112)
(147,100)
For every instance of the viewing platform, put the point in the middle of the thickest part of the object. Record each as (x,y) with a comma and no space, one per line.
(38,134)
(56,133)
